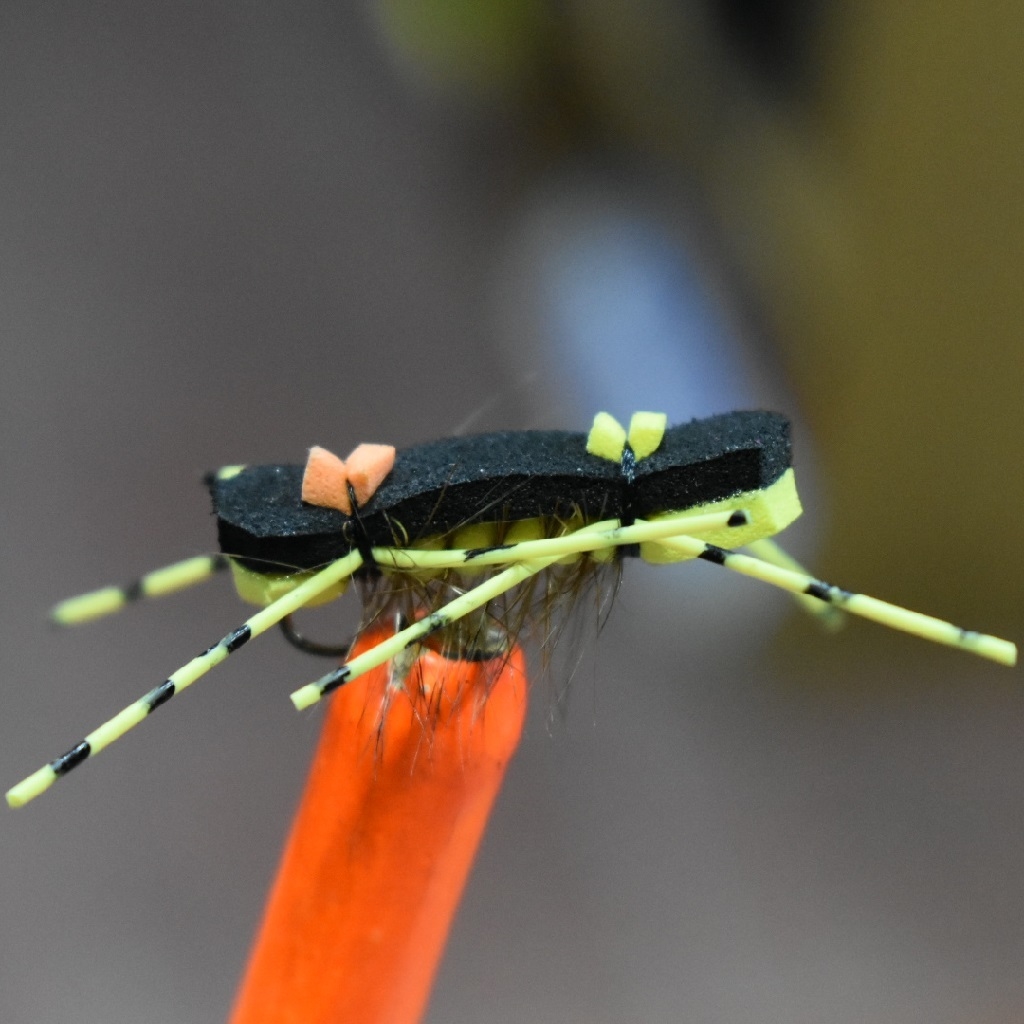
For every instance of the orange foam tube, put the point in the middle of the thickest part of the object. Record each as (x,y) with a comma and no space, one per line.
(382,845)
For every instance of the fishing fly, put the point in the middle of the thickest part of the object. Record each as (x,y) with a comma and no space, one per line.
(467,539)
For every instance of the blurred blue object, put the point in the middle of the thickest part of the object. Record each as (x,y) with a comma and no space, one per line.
(633,326)
(607,303)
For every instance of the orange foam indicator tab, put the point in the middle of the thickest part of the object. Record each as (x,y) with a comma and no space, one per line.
(325,481)
(367,467)
(397,800)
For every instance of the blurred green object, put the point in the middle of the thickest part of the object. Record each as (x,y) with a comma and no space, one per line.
(479,46)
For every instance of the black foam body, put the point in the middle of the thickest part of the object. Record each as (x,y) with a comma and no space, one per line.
(505,476)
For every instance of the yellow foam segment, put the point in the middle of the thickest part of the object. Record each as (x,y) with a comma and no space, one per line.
(607,437)
(646,431)
(262,589)
(435,542)
(475,535)
(367,467)
(524,529)
(325,481)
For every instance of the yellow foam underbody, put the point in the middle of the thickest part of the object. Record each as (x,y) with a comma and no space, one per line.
(769,510)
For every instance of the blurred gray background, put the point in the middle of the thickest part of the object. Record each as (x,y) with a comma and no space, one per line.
(228,232)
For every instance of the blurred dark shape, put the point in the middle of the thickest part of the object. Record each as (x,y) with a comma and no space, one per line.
(775,40)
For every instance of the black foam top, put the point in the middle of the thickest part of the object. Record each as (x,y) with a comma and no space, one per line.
(507,476)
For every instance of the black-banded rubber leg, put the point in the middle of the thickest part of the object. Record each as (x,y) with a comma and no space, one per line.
(109,600)
(830,616)
(116,727)
(925,626)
